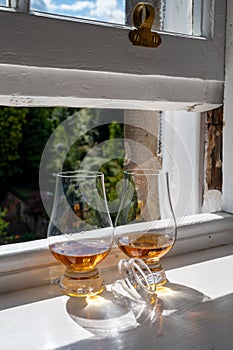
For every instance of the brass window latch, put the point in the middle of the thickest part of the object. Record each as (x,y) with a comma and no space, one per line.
(143,18)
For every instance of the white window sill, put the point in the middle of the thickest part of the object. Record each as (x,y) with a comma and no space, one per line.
(196,312)
(24,86)
(30,264)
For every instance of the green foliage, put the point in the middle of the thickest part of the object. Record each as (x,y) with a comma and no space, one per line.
(113,174)
(25,237)
(116,130)
(3,226)
(12,121)
(101,148)
(3,223)
(40,124)
(70,142)
(112,169)
(37,129)
(24,134)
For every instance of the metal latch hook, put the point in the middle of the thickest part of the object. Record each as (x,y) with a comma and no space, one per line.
(143,19)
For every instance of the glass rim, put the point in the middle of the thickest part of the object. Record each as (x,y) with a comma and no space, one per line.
(145,172)
(79,173)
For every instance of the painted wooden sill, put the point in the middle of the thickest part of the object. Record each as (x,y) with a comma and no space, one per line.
(30,264)
(194,311)
(24,86)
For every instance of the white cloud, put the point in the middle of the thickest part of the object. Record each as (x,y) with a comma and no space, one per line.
(77,6)
(50,5)
(108,11)
(102,10)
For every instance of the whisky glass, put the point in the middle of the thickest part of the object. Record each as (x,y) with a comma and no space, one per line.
(145,226)
(80,231)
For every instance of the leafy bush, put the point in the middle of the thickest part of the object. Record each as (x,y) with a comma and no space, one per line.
(24,134)
(12,121)
(3,226)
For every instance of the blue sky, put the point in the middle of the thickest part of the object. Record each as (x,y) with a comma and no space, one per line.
(103,10)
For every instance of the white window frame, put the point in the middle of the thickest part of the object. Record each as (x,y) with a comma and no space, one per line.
(182,131)
(39,66)
(73,58)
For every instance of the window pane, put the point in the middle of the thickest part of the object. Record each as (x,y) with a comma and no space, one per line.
(101,10)
(177,16)
(3,2)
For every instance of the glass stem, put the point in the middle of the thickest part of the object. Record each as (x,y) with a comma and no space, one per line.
(157,271)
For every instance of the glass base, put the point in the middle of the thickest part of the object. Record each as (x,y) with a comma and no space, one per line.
(81,284)
(158,273)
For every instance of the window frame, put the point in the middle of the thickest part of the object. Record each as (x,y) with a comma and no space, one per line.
(93,53)
(227,197)
(29,79)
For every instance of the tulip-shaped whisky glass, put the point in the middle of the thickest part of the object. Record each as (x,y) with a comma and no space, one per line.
(145,226)
(80,231)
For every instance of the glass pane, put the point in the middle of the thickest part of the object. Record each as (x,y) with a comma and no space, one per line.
(3,2)
(177,16)
(182,16)
(101,10)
